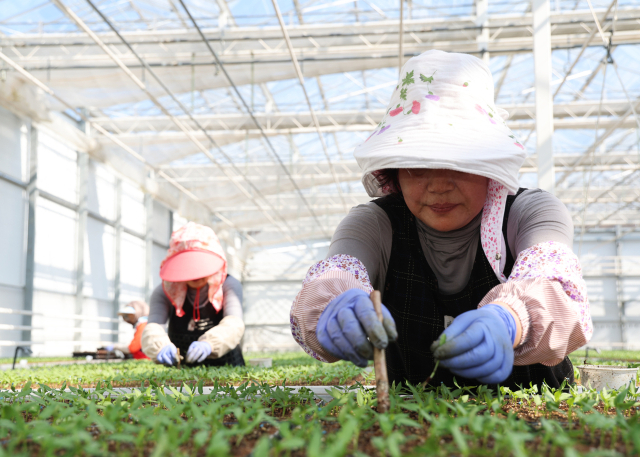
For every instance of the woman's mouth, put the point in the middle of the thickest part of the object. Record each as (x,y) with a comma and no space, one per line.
(442,208)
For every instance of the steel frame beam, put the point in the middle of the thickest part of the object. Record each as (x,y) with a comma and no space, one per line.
(565,115)
(326,49)
(30,264)
(544,102)
(81,231)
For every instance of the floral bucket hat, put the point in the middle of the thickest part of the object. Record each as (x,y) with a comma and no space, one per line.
(442,116)
(194,252)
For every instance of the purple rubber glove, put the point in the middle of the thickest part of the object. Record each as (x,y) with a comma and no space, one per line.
(167,355)
(109,347)
(479,344)
(198,351)
(349,328)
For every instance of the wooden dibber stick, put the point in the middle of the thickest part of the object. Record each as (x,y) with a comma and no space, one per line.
(380,362)
(178,357)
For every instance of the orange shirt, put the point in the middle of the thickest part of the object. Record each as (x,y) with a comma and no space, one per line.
(136,344)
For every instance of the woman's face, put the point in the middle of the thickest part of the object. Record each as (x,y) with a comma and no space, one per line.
(197,283)
(444,200)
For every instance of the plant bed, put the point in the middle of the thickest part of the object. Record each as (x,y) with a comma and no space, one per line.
(262,420)
(296,369)
(176,415)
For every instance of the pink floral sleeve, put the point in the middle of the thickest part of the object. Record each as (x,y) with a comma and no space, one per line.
(547,292)
(324,281)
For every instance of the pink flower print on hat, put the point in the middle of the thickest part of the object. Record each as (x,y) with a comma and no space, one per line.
(415,106)
(483,111)
(397,110)
(466,84)
(517,143)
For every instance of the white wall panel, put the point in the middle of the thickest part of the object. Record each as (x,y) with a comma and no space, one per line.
(14,142)
(288,262)
(602,297)
(12,233)
(132,268)
(99,266)
(89,333)
(605,333)
(161,223)
(101,190)
(631,297)
(133,213)
(57,168)
(12,298)
(157,256)
(269,339)
(55,247)
(57,331)
(265,303)
(273,278)
(269,302)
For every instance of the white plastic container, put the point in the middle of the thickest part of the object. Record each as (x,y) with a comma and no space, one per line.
(264,363)
(605,376)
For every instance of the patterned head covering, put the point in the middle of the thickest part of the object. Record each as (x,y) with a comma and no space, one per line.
(442,115)
(195,238)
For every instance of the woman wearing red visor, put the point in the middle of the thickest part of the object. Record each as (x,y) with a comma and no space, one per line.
(201,302)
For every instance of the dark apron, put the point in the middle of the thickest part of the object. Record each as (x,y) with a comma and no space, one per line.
(411,293)
(182,336)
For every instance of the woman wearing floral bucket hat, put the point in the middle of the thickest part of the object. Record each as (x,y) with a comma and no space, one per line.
(201,302)
(453,244)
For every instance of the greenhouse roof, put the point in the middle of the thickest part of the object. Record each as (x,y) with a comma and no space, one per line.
(204,100)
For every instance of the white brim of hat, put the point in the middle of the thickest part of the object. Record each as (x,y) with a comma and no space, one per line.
(482,148)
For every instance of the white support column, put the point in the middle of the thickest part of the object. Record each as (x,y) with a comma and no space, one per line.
(544,100)
(482,20)
(117,285)
(620,287)
(81,230)
(401,38)
(32,194)
(148,239)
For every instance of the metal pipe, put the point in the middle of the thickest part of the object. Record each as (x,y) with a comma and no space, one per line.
(183,108)
(244,103)
(316,123)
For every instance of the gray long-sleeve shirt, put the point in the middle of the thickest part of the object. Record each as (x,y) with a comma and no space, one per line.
(535,217)
(160,306)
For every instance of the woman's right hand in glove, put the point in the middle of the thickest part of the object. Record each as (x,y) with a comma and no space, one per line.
(167,355)
(349,328)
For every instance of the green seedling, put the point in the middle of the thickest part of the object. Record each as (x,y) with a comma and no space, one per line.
(443,339)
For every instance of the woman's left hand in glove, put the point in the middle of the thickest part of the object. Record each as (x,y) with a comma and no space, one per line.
(198,351)
(479,344)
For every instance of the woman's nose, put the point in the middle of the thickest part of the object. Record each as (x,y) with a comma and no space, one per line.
(441,184)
